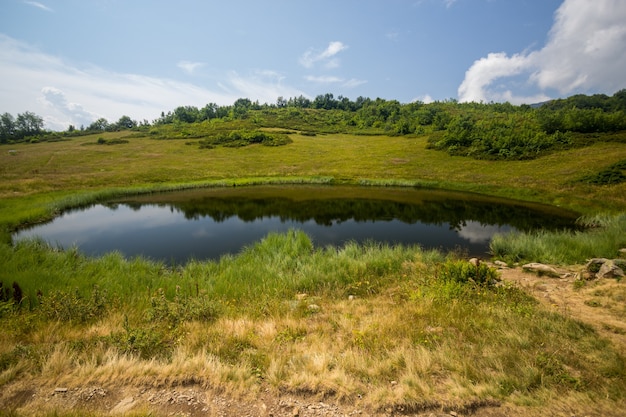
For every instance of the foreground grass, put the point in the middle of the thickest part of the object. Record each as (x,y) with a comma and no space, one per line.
(383,325)
(390,326)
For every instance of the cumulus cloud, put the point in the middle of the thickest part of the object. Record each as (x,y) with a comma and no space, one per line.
(64,113)
(425,98)
(584,52)
(327,57)
(53,88)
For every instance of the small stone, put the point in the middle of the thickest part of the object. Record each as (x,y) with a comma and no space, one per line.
(394,382)
(314,308)
(474,261)
(541,269)
(501,264)
(295,412)
(60,390)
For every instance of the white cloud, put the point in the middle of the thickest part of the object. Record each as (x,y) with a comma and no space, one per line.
(327,56)
(584,52)
(324,79)
(63,93)
(485,70)
(262,85)
(38,5)
(353,82)
(189,67)
(426,99)
(476,232)
(329,79)
(63,113)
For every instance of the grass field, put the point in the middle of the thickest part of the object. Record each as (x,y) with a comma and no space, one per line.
(382,326)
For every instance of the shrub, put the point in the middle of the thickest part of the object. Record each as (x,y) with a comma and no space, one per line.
(465,272)
(182,308)
(613,174)
(72,306)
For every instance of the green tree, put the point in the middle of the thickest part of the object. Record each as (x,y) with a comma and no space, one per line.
(99,125)
(7,127)
(28,124)
(125,122)
(186,114)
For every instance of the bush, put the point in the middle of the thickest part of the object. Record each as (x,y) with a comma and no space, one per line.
(182,308)
(613,174)
(240,138)
(72,306)
(464,272)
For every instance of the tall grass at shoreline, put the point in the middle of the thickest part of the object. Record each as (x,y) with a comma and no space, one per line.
(603,236)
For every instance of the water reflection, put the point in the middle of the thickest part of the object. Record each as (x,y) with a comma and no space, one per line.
(206,224)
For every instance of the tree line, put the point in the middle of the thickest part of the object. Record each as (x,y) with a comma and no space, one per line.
(479,130)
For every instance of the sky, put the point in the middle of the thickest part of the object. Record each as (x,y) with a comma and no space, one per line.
(74,61)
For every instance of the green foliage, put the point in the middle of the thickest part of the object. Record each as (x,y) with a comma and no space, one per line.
(464,272)
(183,308)
(116,141)
(497,135)
(73,307)
(604,236)
(239,138)
(145,341)
(613,174)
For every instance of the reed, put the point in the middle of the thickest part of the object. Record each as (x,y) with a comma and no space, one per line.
(603,237)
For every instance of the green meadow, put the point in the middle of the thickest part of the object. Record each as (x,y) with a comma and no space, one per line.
(285,317)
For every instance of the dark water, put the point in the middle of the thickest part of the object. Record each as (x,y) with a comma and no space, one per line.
(208,223)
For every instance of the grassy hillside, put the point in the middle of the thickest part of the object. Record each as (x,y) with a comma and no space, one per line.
(374,325)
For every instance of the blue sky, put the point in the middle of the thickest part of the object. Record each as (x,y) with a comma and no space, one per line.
(72,61)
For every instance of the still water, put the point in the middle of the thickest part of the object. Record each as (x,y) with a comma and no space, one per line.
(208,223)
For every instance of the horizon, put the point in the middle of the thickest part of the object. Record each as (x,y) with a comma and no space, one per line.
(75,62)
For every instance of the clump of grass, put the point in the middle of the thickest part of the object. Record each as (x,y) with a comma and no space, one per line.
(114,141)
(603,236)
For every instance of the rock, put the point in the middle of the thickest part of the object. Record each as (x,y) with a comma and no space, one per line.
(474,261)
(123,406)
(541,269)
(60,390)
(501,264)
(622,253)
(610,270)
(594,263)
(313,308)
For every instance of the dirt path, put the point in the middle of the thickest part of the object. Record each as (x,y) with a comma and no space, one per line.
(599,303)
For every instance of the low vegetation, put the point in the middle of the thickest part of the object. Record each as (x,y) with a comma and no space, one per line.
(289,317)
(382,326)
